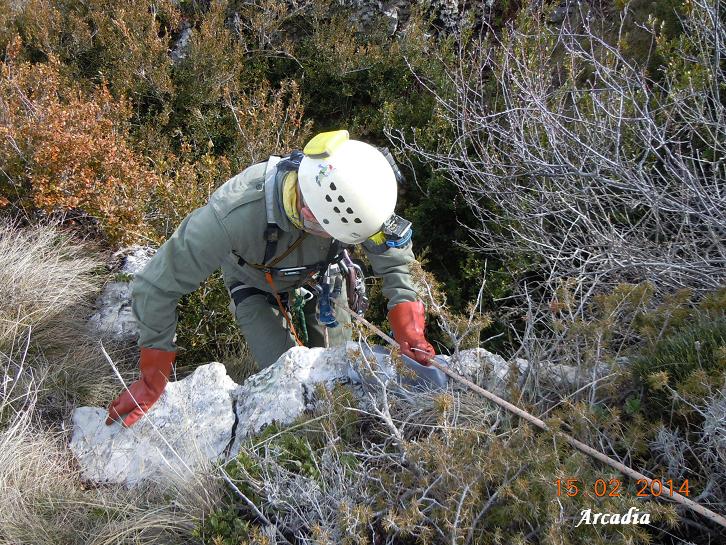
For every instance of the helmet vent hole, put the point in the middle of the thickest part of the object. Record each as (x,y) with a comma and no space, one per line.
(340,198)
(326,222)
(332,186)
(327,198)
(349,210)
(357,220)
(344,220)
(337,210)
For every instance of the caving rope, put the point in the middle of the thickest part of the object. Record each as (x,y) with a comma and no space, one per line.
(656,485)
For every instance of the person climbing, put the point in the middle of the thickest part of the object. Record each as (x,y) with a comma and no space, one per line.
(274,228)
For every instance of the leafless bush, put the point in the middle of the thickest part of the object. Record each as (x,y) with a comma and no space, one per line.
(670,448)
(303,502)
(714,429)
(567,151)
(707,449)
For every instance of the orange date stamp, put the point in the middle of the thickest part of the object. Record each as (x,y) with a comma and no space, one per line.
(613,488)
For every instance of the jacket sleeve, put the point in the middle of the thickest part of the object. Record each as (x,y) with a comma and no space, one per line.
(192,253)
(392,266)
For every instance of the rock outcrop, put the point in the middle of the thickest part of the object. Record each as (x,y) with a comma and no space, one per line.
(204,417)
(487,369)
(192,423)
(113,319)
(283,391)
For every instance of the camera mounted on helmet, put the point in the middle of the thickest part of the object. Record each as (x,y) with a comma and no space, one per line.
(397,230)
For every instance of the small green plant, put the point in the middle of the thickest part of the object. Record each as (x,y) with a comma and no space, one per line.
(123,277)
(684,344)
(206,328)
(224,526)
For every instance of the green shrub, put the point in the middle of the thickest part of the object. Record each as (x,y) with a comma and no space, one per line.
(684,360)
(206,330)
(697,345)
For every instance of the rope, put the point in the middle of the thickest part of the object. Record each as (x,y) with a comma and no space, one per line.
(270,281)
(579,445)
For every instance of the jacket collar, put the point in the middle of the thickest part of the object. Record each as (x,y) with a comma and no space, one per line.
(278,210)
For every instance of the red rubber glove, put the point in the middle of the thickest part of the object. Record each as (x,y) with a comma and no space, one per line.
(155,368)
(408,321)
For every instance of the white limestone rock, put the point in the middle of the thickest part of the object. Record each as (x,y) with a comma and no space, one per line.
(571,376)
(113,319)
(191,424)
(136,259)
(284,390)
(487,369)
(448,12)
(394,14)
(179,51)
(204,417)
(390,16)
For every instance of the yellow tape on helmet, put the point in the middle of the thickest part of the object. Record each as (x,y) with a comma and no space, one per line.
(325,143)
(378,238)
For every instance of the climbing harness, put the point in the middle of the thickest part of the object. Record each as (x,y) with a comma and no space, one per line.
(324,278)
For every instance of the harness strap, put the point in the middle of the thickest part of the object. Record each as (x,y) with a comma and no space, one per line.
(272,236)
(241,262)
(271,282)
(287,252)
(240,292)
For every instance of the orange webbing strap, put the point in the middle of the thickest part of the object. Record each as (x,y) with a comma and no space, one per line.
(268,277)
(282,256)
(287,252)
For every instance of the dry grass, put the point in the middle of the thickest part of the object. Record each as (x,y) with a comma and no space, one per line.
(43,499)
(239,362)
(48,283)
(49,365)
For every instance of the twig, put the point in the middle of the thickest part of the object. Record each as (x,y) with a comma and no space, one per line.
(579,445)
(252,506)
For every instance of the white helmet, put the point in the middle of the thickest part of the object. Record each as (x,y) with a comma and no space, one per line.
(348,185)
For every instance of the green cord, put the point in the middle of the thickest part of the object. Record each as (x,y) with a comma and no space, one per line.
(297,310)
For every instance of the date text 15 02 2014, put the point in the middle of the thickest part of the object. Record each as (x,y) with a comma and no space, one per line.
(613,488)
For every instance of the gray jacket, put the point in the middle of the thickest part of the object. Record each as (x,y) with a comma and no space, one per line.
(232,226)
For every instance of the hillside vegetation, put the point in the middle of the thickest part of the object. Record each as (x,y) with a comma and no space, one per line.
(565,171)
